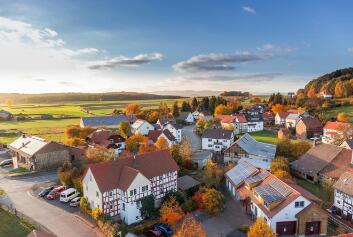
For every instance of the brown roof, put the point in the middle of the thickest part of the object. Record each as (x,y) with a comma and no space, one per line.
(311,123)
(310,208)
(120,173)
(169,135)
(345,183)
(283,115)
(324,158)
(217,133)
(153,135)
(99,136)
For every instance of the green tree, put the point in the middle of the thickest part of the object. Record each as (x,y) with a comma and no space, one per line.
(147,207)
(163,109)
(185,107)
(194,104)
(175,109)
(124,129)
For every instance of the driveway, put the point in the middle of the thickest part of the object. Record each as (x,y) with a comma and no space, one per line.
(59,221)
(228,222)
(188,132)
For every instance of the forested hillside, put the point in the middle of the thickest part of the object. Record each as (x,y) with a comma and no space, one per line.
(339,83)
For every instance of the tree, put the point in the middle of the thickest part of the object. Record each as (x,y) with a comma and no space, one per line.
(194,104)
(147,207)
(171,212)
(212,201)
(283,147)
(132,109)
(178,195)
(97,213)
(277,108)
(339,89)
(282,174)
(311,93)
(146,147)
(234,106)
(124,129)
(185,106)
(153,117)
(342,117)
(163,109)
(205,102)
(175,109)
(260,228)
(221,110)
(100,153)
(185,149)
(174,150)
(279,163)
(161,143)
(212,174)
(190,228)
(75,135)
(133,143)
(299,148)
(84,205)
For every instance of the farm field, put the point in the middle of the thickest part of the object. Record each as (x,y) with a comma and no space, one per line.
(10,225)
(342,109)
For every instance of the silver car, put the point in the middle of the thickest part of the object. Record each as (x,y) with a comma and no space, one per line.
(75,202)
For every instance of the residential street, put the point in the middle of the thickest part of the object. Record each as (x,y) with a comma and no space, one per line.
(188,132)
(62,223)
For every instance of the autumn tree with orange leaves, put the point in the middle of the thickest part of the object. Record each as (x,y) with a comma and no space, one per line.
(171,212)
(190,228)
(311,93)
(132,109)
(260,228)
(161,143)
(278,108)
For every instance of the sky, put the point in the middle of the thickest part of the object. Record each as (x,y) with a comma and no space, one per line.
(157,45)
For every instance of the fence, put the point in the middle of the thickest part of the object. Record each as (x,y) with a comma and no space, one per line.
(26,218)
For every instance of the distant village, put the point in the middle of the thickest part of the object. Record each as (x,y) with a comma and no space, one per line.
(144,172)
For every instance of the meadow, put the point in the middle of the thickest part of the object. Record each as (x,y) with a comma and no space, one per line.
(10,225)
(348,109)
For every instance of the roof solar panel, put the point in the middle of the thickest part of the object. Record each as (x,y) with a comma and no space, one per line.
(241,171)
(280,187)
(268,193)
(257,178)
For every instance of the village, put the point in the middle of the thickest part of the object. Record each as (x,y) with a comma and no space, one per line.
(195,167)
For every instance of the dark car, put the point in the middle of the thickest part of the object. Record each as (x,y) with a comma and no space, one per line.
(6,162)
(152,233)
(164,229)
(45,191)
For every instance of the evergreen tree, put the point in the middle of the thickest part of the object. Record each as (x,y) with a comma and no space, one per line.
(175,109)
(194,104)
(185,107)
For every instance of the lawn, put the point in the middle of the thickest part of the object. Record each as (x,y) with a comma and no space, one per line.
(342,109)
(315,189)
(265,136)
(10,225)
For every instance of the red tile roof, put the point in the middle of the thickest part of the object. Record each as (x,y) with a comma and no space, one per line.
(231,118)
(154,134)
(120,173)
(336,125)
(283,115)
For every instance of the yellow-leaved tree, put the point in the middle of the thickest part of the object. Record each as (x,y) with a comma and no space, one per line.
(260,228)
(190,228)
(171,212)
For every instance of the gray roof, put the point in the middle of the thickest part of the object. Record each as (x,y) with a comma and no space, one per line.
(186,182)
(217,133)
(251,146)
(101,121)
(202,155)
(28,144)
(239,173)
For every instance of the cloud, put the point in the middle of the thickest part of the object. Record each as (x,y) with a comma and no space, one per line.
(257,77)
(350,50)
(66,83)
(218,62)
(249,10)
(136,61)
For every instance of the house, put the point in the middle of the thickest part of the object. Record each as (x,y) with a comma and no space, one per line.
(291,120)
(280,118)
(326,95)
(268,117)
(216,139)
(118,186)
(247,148)
(302,113)
(5,115)
(343,196)
(175,129)
(322,162)
(283,133)
(242,123)
(154,135)
(291,95)
(37,154)
(337,132)
(308,127)
(141,126)
(201,158)
(186,117)
(348,144)
(164,120)
(255,122)
(107,139)
(287,208)
(111,121)
(196,114)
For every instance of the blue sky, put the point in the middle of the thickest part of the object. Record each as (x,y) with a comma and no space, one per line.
(94,46)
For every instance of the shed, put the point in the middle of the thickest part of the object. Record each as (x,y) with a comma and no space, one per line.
(200,158)
(187,182)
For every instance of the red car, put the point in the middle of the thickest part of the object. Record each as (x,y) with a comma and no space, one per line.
(55,193)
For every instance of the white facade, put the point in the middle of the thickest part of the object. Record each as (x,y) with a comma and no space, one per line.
(196,114)
(292,120)
(190,118)
(255,126)
(91,191)
(142,126)
(177,133)
(170,143)
(344,202)
(279,120)
(216,144)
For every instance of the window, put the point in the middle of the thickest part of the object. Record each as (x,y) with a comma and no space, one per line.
(138,204)
(135,191)
(299,204)
(131,192)
(210,140)
(110,193)
(338,202)
(123,206)
(97,194)
(90,178)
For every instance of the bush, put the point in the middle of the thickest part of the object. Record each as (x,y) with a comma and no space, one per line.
(189,205)
(84,205)
(97,213)
(179,196)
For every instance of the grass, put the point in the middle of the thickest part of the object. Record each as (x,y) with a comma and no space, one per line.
(315,189)
(12,226)
(19,170)
(348,109)
(265,136)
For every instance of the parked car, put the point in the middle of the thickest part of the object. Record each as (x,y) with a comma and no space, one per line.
(68,195)
(55,193)
(164,229)
(152,233)
(75,202)
(45,191)
(6,162)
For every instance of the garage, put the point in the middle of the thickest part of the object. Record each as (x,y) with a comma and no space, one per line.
(286,228)
(312,228)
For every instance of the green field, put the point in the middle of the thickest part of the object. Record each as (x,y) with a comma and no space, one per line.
(343,109)
(10,225)
(265,136)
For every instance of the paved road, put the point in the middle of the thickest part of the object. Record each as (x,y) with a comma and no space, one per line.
(188,132)
(60,222)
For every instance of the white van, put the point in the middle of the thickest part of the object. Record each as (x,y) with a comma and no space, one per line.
(68,195)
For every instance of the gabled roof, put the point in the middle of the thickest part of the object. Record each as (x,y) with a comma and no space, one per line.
(240,118)
(282,115)
(251,146)
(253,118)
(186,182)
(164,120)
(5,112)
(345,183)
(101,121)
(104,137)
(154,134)
(292,117)
(296,111)
(336,125)
(239,173)
(29,145)
(217,133)
(327,159)
(311,122)
(120,173)
(138,123)
(169,135)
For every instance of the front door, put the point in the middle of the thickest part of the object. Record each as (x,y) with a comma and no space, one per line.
(312,228)
(286,228)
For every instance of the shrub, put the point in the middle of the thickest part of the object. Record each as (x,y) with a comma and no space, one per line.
(97,213)
(84,205)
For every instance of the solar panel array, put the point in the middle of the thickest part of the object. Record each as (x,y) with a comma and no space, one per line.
(280,187)
(257,178)
(241,171)
(268,193)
